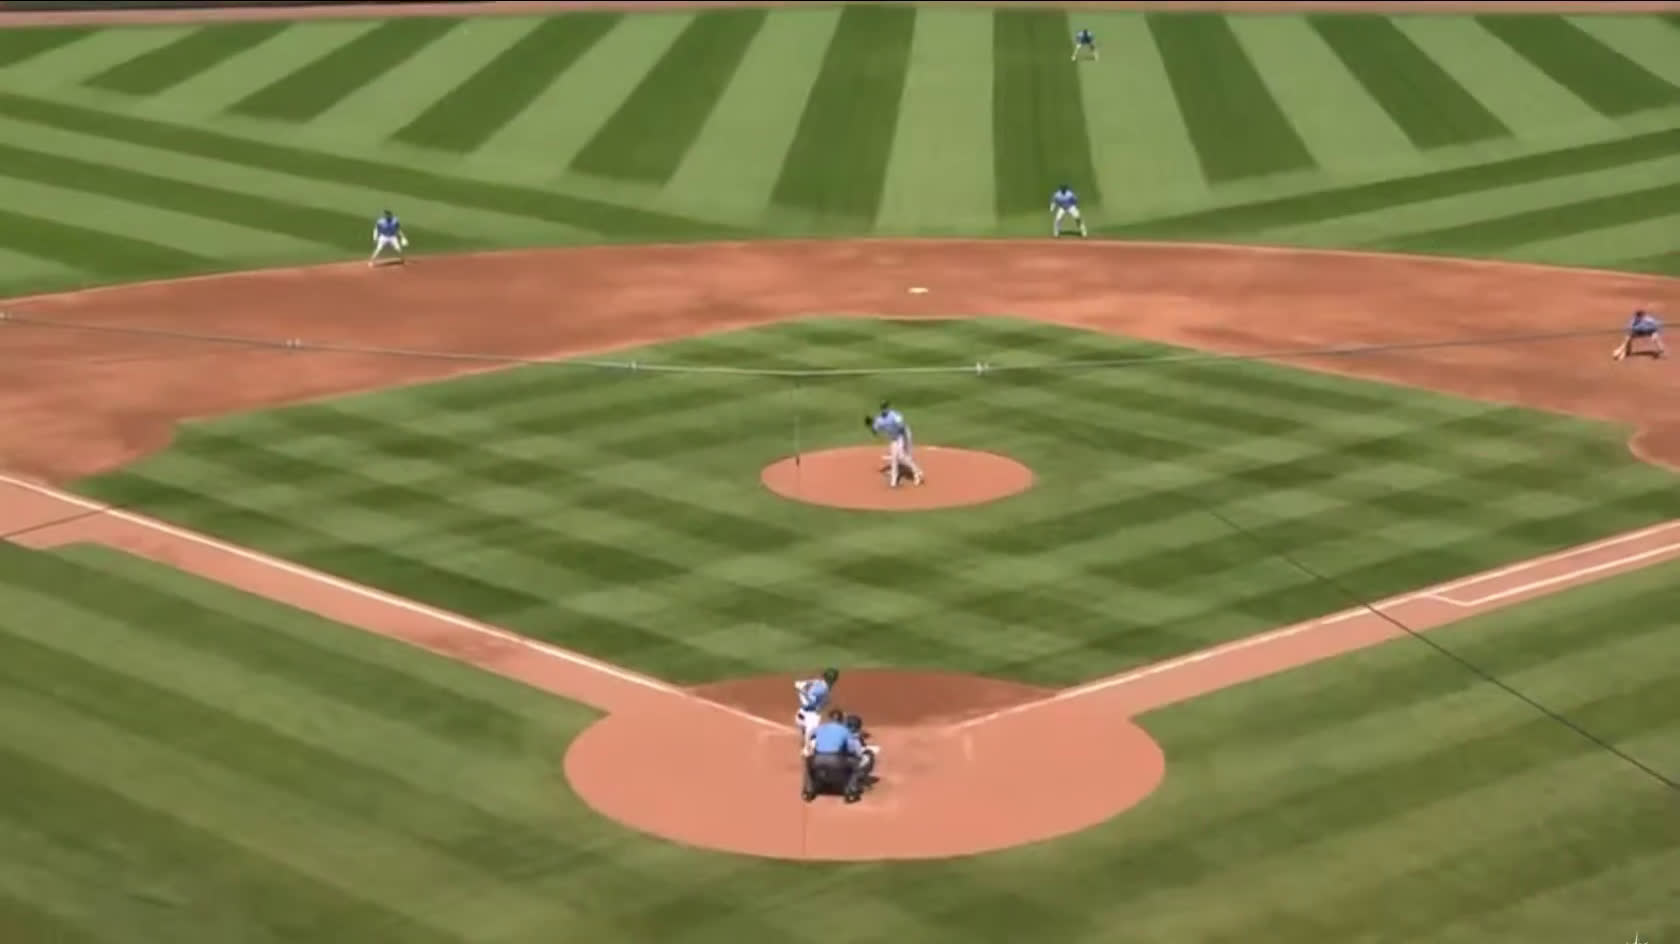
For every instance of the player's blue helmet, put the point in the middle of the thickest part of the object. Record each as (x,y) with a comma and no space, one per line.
(1063,187)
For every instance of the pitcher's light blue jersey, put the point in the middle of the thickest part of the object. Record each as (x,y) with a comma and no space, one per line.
(891,424)
(1064,198)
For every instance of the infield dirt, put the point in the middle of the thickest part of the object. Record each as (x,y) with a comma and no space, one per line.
(101,377)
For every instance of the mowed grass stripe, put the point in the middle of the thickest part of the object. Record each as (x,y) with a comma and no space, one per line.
(1039,139)
(1550,222)
(646,138)
(466,117)
(763,106)
(837,163)
(381,176)
(1359,228)
(21,45)
(1129,99)
(1525,99)
(170,65)
(321,84)
(1431,108)
(446,225)
(946,112)
(1343,127)
(1610,82)
(213,91)
(451,825)
(245,887)
(1237,127)
(329,227)
(70,64)
(1343,201)
(1639,38)
(24,917)
(79,247)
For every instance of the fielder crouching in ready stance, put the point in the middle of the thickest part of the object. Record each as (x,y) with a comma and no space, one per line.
(387,234)
(1643,327)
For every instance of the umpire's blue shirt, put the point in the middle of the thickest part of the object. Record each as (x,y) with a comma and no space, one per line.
(831,737)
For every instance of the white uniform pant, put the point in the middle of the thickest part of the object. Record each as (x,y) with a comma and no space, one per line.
(382,243)
(1067,213)
(807,721)
(899,459)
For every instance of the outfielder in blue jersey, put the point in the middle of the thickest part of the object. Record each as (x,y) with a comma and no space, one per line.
(1065,203)
(890,424)
(1643,327)
(1083,41)
(387,234)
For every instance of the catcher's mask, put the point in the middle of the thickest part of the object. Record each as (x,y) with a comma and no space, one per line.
(854,723)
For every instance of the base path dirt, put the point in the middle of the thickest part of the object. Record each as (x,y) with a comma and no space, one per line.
(856,479)
(98,378)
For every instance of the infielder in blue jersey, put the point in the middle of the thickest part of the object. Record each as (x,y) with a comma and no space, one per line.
(890,424)
(1065,203)
(813,698)
(1643,327)
(387,234)
(1083,41)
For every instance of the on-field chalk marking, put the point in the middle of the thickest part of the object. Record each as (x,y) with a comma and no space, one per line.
(1519,590)
(443,616)
(1287,632)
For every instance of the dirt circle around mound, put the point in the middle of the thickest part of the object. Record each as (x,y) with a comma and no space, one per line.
(714,779)
(854,478)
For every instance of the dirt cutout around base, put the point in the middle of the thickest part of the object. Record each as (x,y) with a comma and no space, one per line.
(943,791)
(100,377)
(855,478)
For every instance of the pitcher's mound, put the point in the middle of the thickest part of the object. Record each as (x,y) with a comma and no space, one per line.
(956,777)
(853,478)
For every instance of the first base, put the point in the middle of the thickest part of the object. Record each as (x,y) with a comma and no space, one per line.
(918,290)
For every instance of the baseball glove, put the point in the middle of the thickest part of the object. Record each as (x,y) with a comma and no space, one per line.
(869,422)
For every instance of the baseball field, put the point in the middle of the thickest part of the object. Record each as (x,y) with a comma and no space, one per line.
(1293,561)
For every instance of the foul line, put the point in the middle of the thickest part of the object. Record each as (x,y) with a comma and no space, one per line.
(345,586)
(1234,647)
(1576,574)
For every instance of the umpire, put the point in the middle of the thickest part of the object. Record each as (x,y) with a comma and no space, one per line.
(836,755)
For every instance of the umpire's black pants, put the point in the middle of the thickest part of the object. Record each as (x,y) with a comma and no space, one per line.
(827,769)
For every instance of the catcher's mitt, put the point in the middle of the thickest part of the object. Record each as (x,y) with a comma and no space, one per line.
(869,422)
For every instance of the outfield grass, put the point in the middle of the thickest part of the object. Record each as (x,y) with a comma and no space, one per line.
(186,763)
(620,513)
(677,125)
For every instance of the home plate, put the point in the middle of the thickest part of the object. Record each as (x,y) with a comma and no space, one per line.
(918,290)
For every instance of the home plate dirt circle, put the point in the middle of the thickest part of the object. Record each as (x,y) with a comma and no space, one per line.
(704,777)
(852,478)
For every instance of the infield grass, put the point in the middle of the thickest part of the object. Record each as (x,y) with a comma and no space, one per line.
(619,513)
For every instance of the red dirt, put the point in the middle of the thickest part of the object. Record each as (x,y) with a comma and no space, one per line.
(943,791)
(80,401)
(851,479)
